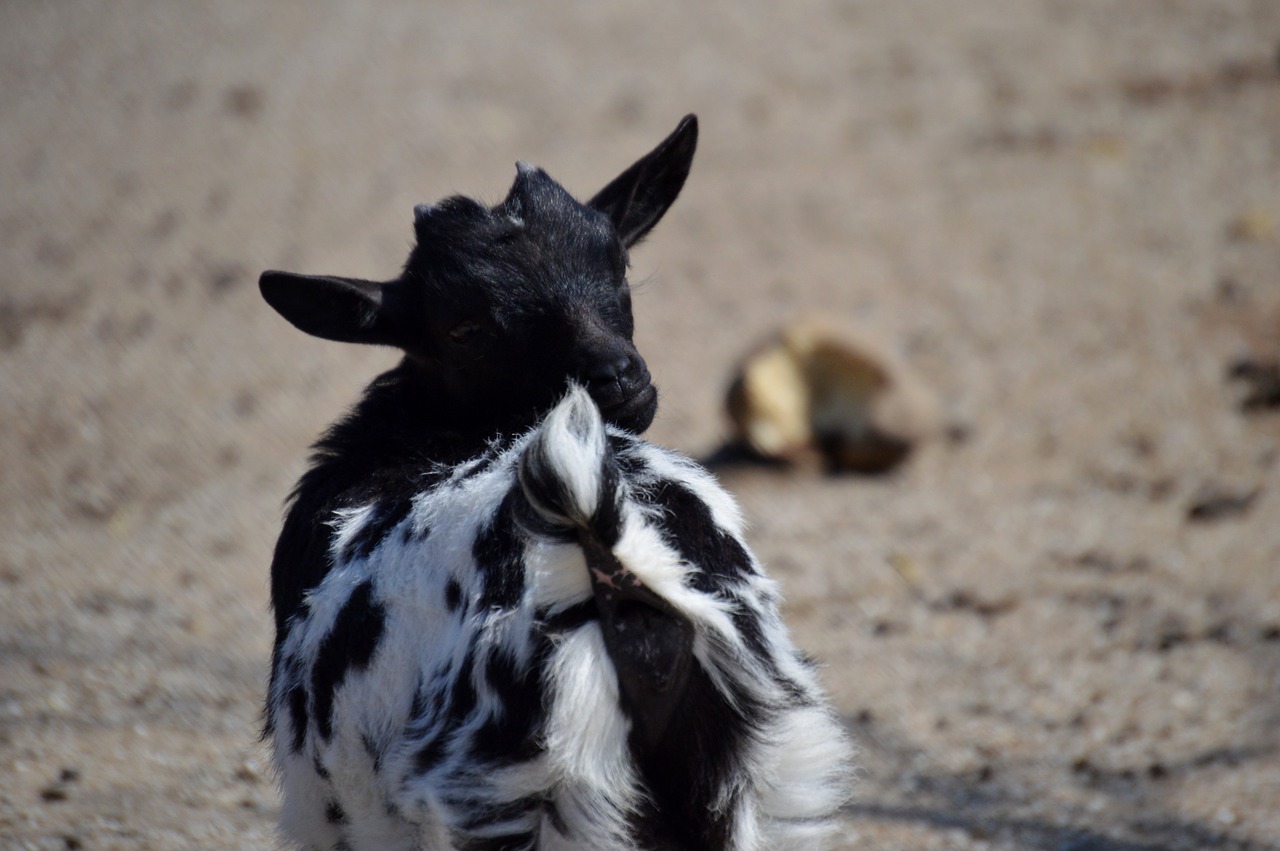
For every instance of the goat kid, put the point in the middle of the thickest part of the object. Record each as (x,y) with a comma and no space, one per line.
(382,698)
(563,643)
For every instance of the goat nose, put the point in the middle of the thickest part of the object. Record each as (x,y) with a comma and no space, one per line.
(606,371)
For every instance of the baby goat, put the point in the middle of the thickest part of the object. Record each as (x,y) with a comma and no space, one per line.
(496,630)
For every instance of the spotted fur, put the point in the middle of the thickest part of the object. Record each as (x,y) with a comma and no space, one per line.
(563,643)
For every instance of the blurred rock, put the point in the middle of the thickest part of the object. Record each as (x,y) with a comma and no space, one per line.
(1256,224)
(816,392)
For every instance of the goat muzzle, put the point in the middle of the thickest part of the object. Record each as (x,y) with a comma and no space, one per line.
(624,391)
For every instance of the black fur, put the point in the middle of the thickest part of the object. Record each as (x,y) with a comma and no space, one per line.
(452,595)
(462,699)
(570,618)
(512,733)
(298,715)
(709,733)
(349,645)
(499,551)
(387,514)
(688,527)
(429,755)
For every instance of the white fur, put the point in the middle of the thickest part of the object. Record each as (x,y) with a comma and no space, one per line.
(586,742)
(572,441)
(798,773)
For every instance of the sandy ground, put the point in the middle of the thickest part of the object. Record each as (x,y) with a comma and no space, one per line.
(1057,628)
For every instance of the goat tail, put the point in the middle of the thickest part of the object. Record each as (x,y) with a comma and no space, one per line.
(567,471)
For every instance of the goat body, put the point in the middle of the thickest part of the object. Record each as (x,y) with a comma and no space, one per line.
(503,620)
(562,643)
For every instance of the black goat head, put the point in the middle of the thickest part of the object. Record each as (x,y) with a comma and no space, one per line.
(502,306)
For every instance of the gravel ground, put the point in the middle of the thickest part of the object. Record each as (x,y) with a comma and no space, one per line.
(1057,627)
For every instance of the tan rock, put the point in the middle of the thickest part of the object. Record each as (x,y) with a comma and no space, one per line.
(813,391)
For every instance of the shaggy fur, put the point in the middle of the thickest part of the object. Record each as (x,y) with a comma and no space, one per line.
(561,643)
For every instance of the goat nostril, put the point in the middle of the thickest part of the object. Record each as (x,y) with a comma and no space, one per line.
(609,371)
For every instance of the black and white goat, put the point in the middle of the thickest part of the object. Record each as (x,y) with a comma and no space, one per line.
(499,627)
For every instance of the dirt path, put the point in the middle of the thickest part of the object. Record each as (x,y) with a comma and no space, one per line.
(1057,629)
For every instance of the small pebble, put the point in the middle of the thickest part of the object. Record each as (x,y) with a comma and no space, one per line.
(1215,503)
(55,792)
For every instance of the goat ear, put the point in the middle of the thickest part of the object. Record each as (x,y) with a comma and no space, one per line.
(636,199)
(344,309)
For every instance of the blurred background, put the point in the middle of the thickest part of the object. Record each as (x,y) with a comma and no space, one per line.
(1055,626)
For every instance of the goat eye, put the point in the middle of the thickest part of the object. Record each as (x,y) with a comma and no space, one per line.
(464,332)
